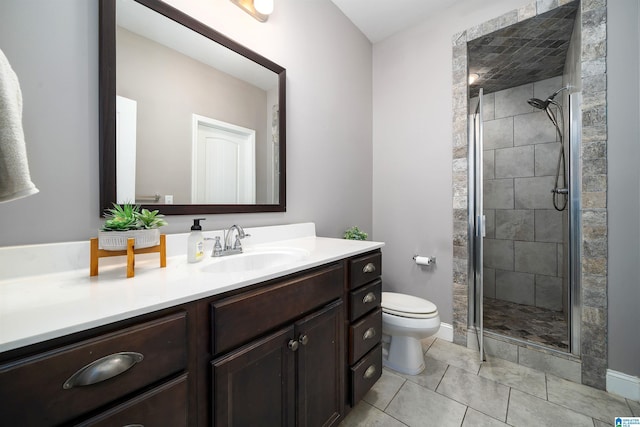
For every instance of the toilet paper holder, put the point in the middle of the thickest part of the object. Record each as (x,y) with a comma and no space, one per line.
(424,260)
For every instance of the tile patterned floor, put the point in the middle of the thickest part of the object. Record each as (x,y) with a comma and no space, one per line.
(540,325)
(456,390)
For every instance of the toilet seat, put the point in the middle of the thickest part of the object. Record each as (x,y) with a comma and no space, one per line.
(410,315)
(408,306)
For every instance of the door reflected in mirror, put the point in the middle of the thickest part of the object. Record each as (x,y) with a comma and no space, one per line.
(224,162)
(199,119)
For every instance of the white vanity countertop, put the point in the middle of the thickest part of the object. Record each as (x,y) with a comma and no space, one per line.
(48,304)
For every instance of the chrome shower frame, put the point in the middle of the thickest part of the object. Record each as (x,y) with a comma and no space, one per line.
(476,225)
(572,267)
(574,264)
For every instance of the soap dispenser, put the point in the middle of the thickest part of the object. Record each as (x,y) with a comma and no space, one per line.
(195,242)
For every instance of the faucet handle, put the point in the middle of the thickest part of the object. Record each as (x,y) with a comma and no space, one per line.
(217,247)
(237,244)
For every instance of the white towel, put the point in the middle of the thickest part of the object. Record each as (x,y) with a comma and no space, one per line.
(15,180)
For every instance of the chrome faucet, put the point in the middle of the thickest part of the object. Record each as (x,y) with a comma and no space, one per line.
(228,249)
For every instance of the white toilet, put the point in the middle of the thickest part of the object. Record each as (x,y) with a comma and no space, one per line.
(405,321)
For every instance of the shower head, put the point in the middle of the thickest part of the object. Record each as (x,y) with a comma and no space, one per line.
(538,103)
(543,105)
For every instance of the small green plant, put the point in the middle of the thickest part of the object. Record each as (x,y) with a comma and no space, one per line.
(130,217)
(354,233)
(150,219)
(121,218)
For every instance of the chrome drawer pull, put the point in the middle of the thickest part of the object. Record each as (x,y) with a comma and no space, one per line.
(370,372)
(370,297)
(369,333)
(134,425)
(103,369)
(369,268)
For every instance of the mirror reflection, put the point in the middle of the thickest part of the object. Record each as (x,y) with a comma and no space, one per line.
(198,118)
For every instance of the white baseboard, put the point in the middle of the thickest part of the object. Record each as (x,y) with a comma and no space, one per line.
(445,332)
(623,385)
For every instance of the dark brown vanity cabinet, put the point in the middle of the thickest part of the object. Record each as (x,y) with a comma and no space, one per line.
(290,376)
(292,351)
(364,325)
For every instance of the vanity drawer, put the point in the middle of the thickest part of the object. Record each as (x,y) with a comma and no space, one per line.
(256,312)
(365,374)
(40,390)
(364,299)
(365,269)
(165,405)
(364,335)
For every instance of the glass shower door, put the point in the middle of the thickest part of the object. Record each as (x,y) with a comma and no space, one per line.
(476,223)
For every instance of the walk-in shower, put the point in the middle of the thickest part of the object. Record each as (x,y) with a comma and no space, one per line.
(520,222)
(560,195)
(501,51)
(521,186)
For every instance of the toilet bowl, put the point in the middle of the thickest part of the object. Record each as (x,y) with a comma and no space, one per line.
(405,321)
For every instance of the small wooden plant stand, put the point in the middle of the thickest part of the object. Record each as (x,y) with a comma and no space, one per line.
(130,252)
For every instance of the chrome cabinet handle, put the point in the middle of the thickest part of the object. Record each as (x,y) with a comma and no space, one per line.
(293,345)
(304,339)
(369,333)
(370,372)
(134,425)
(103,369)
(369,268)
(370,297)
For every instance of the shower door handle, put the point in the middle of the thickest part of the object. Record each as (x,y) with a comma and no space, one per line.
(484,225)
(481,228)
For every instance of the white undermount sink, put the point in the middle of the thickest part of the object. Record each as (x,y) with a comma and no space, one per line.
(252,260)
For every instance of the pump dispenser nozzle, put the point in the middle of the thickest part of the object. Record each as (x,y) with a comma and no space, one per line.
(196,223)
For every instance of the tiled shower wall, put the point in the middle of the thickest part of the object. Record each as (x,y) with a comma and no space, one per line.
(523,258)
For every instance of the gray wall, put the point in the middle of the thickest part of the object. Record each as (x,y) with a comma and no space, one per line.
(623,51)
(412,143)
(53,47)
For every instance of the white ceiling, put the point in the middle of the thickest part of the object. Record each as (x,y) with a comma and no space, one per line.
(378,19)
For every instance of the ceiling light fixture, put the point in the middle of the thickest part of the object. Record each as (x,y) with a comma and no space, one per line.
(259,9)
(264,7)
(473,78)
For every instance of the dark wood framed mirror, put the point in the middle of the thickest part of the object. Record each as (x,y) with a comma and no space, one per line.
(225,153)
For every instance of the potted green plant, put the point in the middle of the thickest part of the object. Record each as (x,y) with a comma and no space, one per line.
(128,221)
(354,233)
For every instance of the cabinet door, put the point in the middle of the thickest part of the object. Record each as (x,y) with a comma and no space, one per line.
(255,385)
(321,361)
